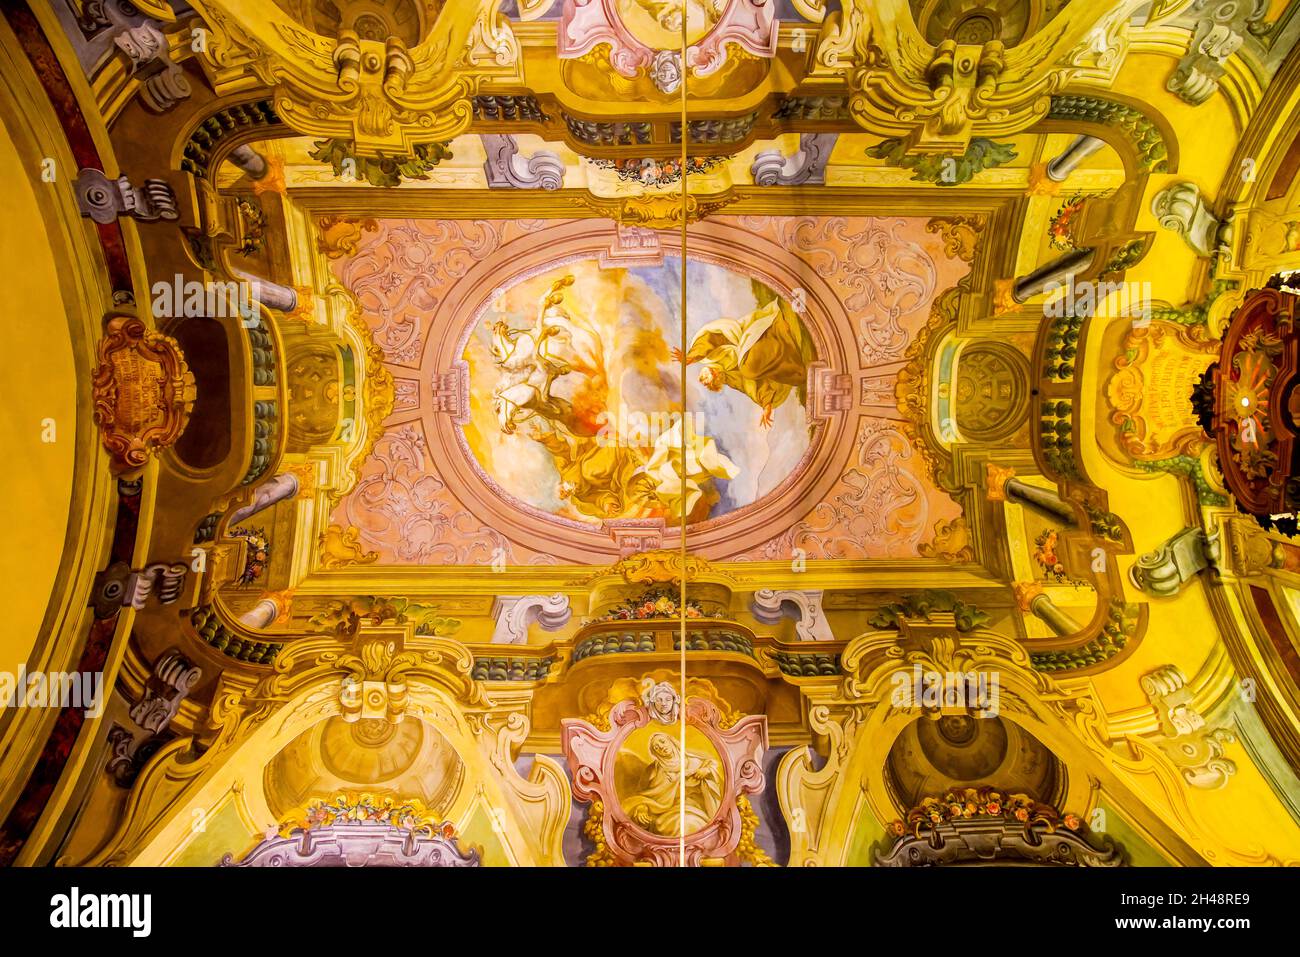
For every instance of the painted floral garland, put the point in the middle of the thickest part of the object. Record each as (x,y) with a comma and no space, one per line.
(1059,228)
(258,554)
(659,602)
(962,804)
(653,172)
(411,815)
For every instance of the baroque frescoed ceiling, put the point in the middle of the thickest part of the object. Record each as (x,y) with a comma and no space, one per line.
(668,432)
(567,465)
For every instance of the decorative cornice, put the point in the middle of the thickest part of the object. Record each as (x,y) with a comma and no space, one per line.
(1144,137)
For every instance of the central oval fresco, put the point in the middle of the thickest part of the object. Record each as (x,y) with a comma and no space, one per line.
(575,391)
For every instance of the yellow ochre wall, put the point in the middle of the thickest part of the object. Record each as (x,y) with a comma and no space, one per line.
(39,383)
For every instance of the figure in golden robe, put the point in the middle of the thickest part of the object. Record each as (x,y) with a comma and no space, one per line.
(657,807)
(765,355)
(603,480)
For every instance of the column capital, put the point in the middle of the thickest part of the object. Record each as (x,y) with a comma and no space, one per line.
(996,481)
(283,601)
(1040,184)
(1026,593)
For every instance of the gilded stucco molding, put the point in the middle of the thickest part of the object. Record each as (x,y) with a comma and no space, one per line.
(377,390)
(382,97)
(822,806)
(913,390)
(659,211)
(938,98)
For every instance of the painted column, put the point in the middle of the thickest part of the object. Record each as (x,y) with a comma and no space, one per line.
(250,161)
(1054,273)
(275,489)
(265,612)
(1030,598)
(1002,486)
(1060,168)
(273,295)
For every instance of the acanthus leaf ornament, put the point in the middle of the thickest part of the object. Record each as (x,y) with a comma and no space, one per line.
(938,97)
(383,96)
(232,53)
(658,211)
